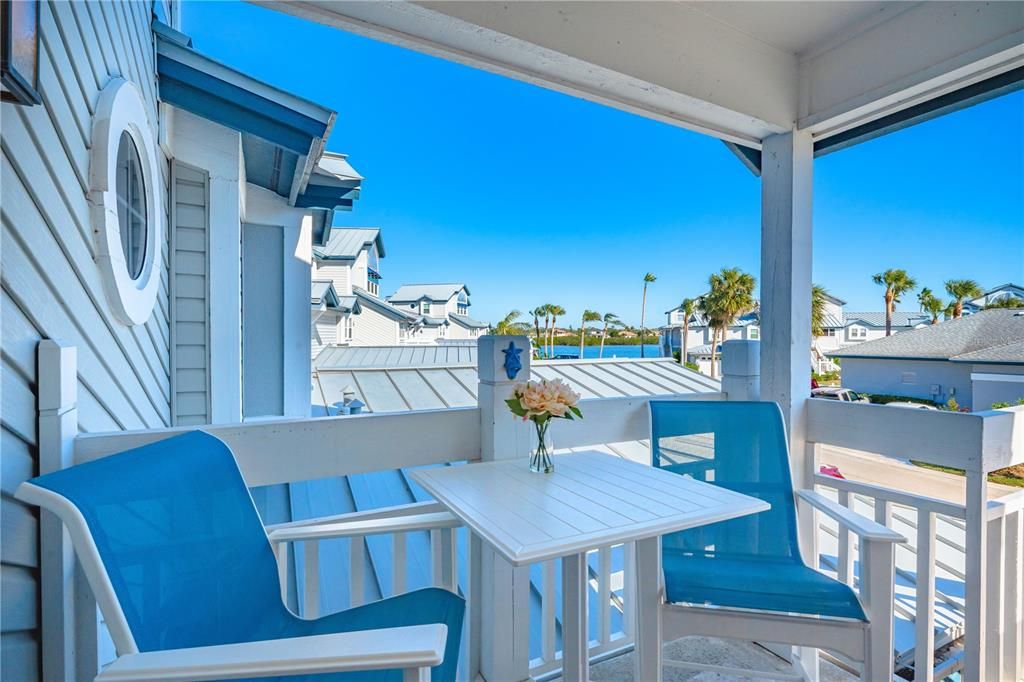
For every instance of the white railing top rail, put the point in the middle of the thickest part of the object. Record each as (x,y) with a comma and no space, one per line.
(976,441)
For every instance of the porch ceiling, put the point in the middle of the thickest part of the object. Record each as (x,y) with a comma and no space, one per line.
(738,71)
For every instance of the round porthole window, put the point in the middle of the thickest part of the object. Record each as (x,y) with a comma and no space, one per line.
(126,204)
(131,205)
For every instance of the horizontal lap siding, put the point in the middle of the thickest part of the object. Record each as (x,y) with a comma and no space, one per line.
(190,304)
(50,286)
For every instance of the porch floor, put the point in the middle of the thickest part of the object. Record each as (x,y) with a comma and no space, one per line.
(709,651)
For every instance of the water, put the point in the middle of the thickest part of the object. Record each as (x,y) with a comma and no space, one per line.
(651,350)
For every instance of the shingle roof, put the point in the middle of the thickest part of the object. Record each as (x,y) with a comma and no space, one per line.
(408,293)
(346,243)
(900,318)
(468,322)
(986,336)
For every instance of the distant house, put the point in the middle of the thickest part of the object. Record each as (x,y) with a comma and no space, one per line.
(330,315)
(977,360)
(698,350)
(994,295)
(443,309)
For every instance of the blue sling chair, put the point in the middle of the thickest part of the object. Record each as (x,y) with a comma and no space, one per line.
(182,569)
(745,578)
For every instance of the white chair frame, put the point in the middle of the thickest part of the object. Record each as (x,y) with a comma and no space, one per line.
(869,642)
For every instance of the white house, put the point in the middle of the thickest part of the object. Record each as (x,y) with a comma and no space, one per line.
(994,295)
(976,360)
(444,309)
(699,339)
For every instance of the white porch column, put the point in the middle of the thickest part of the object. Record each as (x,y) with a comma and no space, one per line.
(786,202)
(499,628)
(69,616)
(741,369)
(787,171)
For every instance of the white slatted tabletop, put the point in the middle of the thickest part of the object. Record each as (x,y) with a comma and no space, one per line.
(591,500)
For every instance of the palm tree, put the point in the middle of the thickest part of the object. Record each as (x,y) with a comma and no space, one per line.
(608,319)
(962,290)
(556,310)
(930,303)
(648,279)
(507,325)
(1012,302)
(818,294)
(688,306)
(588,316)
(731,295)
(547,324)
(896,282)
(537,313)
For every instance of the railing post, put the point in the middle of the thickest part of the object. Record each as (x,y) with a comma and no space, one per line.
(69,616)
(976,548)
(741,370)
(499,631)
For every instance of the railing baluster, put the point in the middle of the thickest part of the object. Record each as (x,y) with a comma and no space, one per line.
(547,608)
(448,559)
(628,590)
(604,591)
(845,567)
(1014,573)
(399,564)
(924,639)
(282,569)
(995,599)
(311,593)
(883,512)
(357,557)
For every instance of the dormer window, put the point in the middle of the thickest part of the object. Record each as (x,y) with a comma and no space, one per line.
(424,307)
(373,281)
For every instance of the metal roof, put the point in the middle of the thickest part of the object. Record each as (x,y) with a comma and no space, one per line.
(985,336)
(406,378)
(382,306)
(830,321)
(407,293)
(900,318)
(345,243)
(321,288)
(468,322)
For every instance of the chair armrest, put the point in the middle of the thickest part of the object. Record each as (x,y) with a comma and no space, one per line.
(397,524)
(860,525)
(420,646)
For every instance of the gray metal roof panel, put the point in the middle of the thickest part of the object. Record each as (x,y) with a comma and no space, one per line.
(347,242)
(408,293)
(468,322)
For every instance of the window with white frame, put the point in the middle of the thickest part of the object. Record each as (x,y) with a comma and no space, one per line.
(858,333)
(424,307)
(349,327)
(828,332)
(125,195)
(373,287)
(754,333)
(443,331)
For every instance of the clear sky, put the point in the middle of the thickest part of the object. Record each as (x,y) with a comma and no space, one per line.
(530,196)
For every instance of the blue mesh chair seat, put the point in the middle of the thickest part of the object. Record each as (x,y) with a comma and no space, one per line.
(190,563)
(752,562)
(785,586)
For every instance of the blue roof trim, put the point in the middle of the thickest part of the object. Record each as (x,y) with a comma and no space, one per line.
(235,107)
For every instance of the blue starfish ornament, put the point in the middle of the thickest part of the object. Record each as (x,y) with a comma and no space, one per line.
(512,362)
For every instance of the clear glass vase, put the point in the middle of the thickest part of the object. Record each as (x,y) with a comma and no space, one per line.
(540,458)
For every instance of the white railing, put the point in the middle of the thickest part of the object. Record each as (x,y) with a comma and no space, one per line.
(980,547)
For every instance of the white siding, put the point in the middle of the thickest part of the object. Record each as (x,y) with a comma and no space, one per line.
(374,329)
(326,332)
(51,285)
(190,309)
(338,273)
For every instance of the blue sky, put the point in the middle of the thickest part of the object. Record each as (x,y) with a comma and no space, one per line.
(530,196)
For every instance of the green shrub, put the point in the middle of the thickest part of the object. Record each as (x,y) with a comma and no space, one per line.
(883,399)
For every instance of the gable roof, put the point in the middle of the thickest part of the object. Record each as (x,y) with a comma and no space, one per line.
(321,291)
(468,322)
(995,336)
(900,318)
(383,307)
(409,293)
(345,243)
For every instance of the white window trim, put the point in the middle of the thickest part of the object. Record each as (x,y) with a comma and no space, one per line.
(121,109)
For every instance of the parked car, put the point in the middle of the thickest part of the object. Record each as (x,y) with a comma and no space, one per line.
(836,393)
(911,406)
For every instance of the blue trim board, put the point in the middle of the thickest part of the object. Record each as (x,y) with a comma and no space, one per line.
(234,107)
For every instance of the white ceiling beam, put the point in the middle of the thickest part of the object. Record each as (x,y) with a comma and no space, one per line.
(667,61)
(920,51)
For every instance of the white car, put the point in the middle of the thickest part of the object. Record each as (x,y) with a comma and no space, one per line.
(911,406)
(835,393)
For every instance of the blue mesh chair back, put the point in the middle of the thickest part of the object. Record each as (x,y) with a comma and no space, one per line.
(189,559)
(753,561)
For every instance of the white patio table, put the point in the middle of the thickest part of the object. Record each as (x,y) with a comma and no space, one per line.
(591,500)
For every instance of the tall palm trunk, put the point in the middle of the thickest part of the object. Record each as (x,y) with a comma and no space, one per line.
(582,334)
(888,313)
(714,350)
(643,317)
(604,333)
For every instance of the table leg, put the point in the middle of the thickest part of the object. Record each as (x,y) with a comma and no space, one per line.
(647,655)
(575,636)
